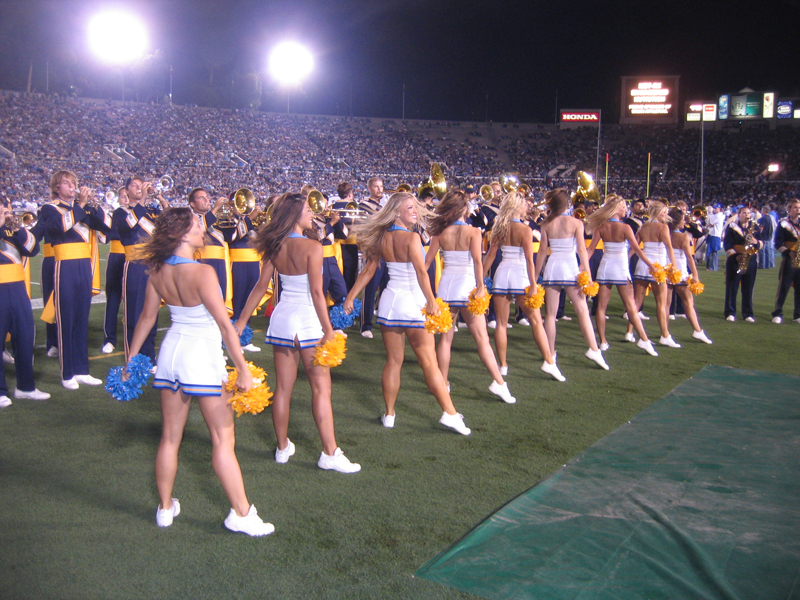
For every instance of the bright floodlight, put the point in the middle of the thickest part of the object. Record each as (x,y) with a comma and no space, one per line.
(290,63)
(117,37)
(773,168)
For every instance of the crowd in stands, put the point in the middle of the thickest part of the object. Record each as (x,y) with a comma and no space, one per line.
(270,153)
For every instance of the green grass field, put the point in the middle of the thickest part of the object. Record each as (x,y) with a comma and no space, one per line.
(78,496)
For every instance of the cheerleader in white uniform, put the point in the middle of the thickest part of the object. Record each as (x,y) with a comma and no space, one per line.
(617,237)
(461,249)
(681,244)
(563,237)
(513,275)
(388,235)
(300,321)
(655,236)
(191,364)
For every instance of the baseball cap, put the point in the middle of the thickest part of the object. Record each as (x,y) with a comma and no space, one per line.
(716,205)
(469,189)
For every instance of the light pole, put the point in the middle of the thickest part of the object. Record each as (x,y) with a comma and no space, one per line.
(289,64)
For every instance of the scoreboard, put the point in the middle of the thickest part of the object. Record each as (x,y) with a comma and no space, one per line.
(649,100)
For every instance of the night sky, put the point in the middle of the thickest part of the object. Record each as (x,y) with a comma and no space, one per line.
(449,55)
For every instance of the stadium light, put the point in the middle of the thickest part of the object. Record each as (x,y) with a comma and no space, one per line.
(774,168)
(290,63)
(117,37)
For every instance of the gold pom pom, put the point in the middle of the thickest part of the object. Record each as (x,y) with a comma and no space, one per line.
(694,286)
(331,353)
(588,287)
(440,323)
(478,306)
(674,275)
(659,273)
(254,401)
(535,301)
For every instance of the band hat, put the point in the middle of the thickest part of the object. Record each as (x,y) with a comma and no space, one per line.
(469,189)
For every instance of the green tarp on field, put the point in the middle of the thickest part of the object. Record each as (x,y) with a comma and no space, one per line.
(697,497)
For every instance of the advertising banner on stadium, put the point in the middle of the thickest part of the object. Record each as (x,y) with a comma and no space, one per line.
(746,106)
(785,109)
(580,117)
(724,102)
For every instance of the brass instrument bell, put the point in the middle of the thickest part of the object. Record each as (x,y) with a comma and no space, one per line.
(437,180)
(509,182)
(316,202)
(244,200)
(487,193)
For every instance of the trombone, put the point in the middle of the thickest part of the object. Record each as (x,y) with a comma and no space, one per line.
(316,203)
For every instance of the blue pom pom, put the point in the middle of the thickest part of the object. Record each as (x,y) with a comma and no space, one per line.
(244,338)
(487,281)
(139,374)
(340,319)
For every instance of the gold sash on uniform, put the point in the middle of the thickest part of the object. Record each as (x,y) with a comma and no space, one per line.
(74,251)
(116,247)
(11,273)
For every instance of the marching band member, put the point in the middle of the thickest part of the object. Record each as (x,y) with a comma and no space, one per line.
(388,236)
(489,213)
(344,237)
(463,271)
(613,269)
(47,277)
(68,223)
(191,363)
(371,206)
(135,224)
(786,237)
(515,273)
(245,266)
(299,322)
(213,253)
(16,316)
(332,278)
(741,238)
(115,270)
(681,247)
(563,236)
(655,235)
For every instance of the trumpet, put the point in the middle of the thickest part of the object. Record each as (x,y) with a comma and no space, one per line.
(164,184)
(26,220)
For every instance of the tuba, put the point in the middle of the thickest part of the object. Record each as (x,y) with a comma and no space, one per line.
(435,182)
(244,201)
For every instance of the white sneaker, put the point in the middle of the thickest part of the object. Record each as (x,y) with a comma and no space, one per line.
(797,321)
(52,352)
(565,318)
(282,456)
(647,347)
(251,348)
(70,384)
(251,523)
(504,371)
(455,422)
(701,335)
(164,516)
(5,401)
(502,391)
(388,420)
(367,333)
(750,320)
(604,346)
(629,337)
(680,316)
(337,462)
(668,341)
(492,324)
(7,358)
(730,318)
(107,348)
(597,357)
(88,379)
(643,316)
(672,317)
(509,326)
(553,371)
(33,395)
(524,322)
(776,320)
(335,332)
